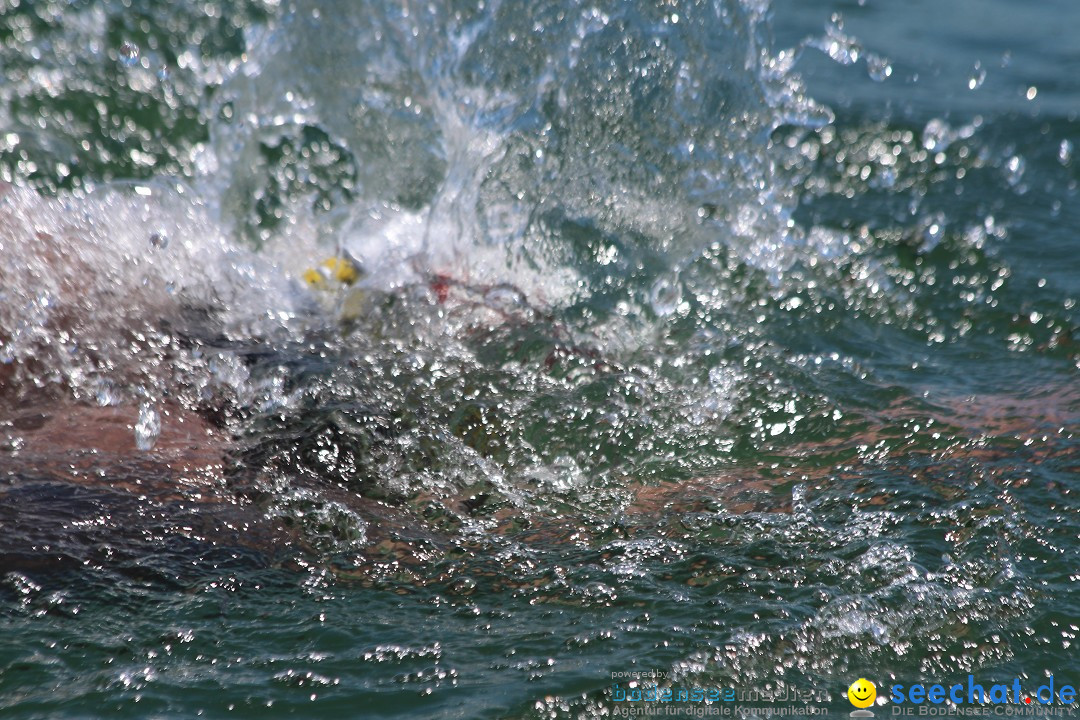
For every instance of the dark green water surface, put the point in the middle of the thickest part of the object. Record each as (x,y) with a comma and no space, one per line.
(731,341)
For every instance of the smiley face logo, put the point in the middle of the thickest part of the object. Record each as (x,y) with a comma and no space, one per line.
(862,693)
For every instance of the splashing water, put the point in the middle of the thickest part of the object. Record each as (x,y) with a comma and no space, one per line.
(629,353)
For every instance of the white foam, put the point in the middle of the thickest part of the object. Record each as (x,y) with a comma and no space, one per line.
(99,292)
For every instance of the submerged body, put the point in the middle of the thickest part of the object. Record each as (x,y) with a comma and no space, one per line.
(73,462)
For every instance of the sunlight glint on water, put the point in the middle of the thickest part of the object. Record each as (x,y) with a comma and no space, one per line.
(653,360)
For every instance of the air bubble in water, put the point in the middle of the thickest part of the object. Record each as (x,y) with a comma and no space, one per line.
(129,53)
(148,428)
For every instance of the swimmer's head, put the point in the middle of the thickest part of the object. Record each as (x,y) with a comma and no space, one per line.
(338,269)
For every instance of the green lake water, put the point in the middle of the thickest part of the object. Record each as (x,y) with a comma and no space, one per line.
(730,341)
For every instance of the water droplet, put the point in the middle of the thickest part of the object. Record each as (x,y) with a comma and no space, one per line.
(129,53)
(666,296)
(878,67)
(840,47)
(505,299)
(159,240)
(107,394)
(933,232)
(1014,170)
(1065,151)
(977,78)
(148,427)
(937,136)
(886,177)
(1032,92)
(463,586)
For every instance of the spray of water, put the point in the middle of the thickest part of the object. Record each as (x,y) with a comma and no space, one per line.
(589,319)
